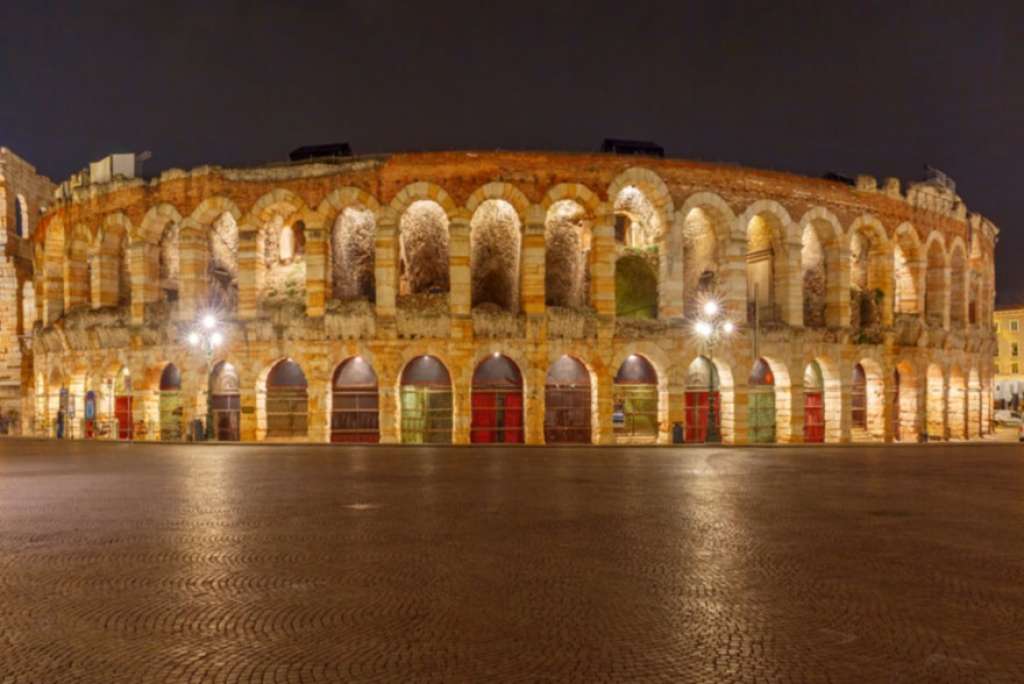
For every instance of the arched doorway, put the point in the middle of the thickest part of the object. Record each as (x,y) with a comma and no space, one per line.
(426,396)
(859,399)
(123,404)
(90,414)
(814,404)
(170,404)
(761,404)
(64,417)
(567,408)
(703,408)
(225,403)
(354,403)
(287,401)
(497,402)
(635,400)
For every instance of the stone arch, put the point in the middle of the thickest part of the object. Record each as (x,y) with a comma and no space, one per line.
(870,273)
(77,271)
(425,395)
(280,218)
(576,192)
(569,401)
(54,249)
(706,223)
(568,226)
(160,227)
(907,270)
(423,248)
(709,401)
(636,400)
(423,190)
(652,187)
(354,402)
(766,227)
(352,216)
(113,255)
(936,301)
(495,254)
(499,191)
(904,396)
(212,208)
(872,425)
(936,402)
(956,403)
(497,388)
(821,267)
(957,284)
(282,400)
(22,227)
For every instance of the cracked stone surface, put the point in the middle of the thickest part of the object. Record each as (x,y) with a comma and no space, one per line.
(178,563)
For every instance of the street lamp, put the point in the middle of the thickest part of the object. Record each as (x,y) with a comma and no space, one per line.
(713,326)
(205,337)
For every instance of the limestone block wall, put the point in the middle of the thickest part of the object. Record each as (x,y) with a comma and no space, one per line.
(453,260)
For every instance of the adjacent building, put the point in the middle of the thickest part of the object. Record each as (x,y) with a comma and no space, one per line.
(1009,362)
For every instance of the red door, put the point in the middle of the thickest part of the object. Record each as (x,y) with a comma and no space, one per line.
(814,417)
(698,406)
(123,413)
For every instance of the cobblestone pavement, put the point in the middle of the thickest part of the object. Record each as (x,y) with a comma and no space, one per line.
(304,564)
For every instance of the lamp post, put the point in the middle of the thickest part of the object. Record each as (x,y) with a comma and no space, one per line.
(206,337)
(711,327)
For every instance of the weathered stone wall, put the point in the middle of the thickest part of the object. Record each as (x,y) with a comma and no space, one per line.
(437,251)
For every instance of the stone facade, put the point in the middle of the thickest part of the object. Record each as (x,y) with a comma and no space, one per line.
(23,195)
(873,302)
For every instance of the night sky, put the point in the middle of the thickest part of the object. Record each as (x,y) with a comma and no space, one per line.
(851,87)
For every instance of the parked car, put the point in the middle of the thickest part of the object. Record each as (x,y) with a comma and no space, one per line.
(1007,417)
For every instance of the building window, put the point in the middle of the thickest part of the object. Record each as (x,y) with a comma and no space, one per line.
(997,326)
(1014,368)
(1014,349)
(1013,326)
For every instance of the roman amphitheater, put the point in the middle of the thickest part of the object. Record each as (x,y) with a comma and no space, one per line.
(500,297)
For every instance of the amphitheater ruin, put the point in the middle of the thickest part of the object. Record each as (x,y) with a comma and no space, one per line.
(496,297)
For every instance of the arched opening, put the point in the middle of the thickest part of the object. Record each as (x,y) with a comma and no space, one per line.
(76,274)
(28,307)
(567,406)
(497,402)
(904,403)
(935,286)
(957,409)
(638,230)
(495,242)
(225,403)
(703,402)
(906,266)
(287,401)
(814,403)
(859,399)
(567,255)
(700,259)
(936,403)
(814,265)
(352,254)
(65,418)
(123,404)
(764,274)
(171,409)
(761,404)
(868,254)
(355,415)
(635,400)
(423,242)
(957,287)
(426,402)
(223,263)
(281,275)
(170,264)
(89,422)
(21,228)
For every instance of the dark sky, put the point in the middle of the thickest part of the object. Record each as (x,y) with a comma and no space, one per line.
(873,87)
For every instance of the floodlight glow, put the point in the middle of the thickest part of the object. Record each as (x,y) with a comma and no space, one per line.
(728,327)
(710,307)
(703,328)
(193,339)
(209,322)
(216,338)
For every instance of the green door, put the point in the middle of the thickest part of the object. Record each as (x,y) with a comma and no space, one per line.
(170,416)
(761,415)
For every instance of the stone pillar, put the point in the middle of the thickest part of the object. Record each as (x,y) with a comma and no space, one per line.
(462,408)
(316,271)
(791,300)
(946,283)
(846,410)
(144,260)
(247,419)
(796,403)
(533,296)
(53,292)
(602,418)
(670,272)
(602,265)
(732,274)
(740,411)
(248,274)
(75,281)
(193,272)
(387,403)
(317,367)
(385,272)
(889,412)
(676,409)
(106,281)
(459,277)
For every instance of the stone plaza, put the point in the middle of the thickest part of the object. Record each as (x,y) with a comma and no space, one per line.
(283,563)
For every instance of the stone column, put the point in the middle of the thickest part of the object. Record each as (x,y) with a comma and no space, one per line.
(670,272)
(888,410)
(248,274)
(144,261)
(53,291)
(732,278)
(676,409)
(385,273)
(602,265)
(75,281)
(193,272)
(739,429)
(533,297)
(387,402)
(106,282)
(846,411)
(316,271)
(602,417)
(459,277)
(462,408)
(796,403)
(318,381)
(247,418)
(790,299)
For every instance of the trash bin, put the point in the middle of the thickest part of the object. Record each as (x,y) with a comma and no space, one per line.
(677,433)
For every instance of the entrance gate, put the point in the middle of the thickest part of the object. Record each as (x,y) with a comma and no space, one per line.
(225,403)
(703,401)
(567,403)
(761,404)
(497,402)
(354,403)
(426,398)
(170,404)
(287,401)
(635,399)
(814,404)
